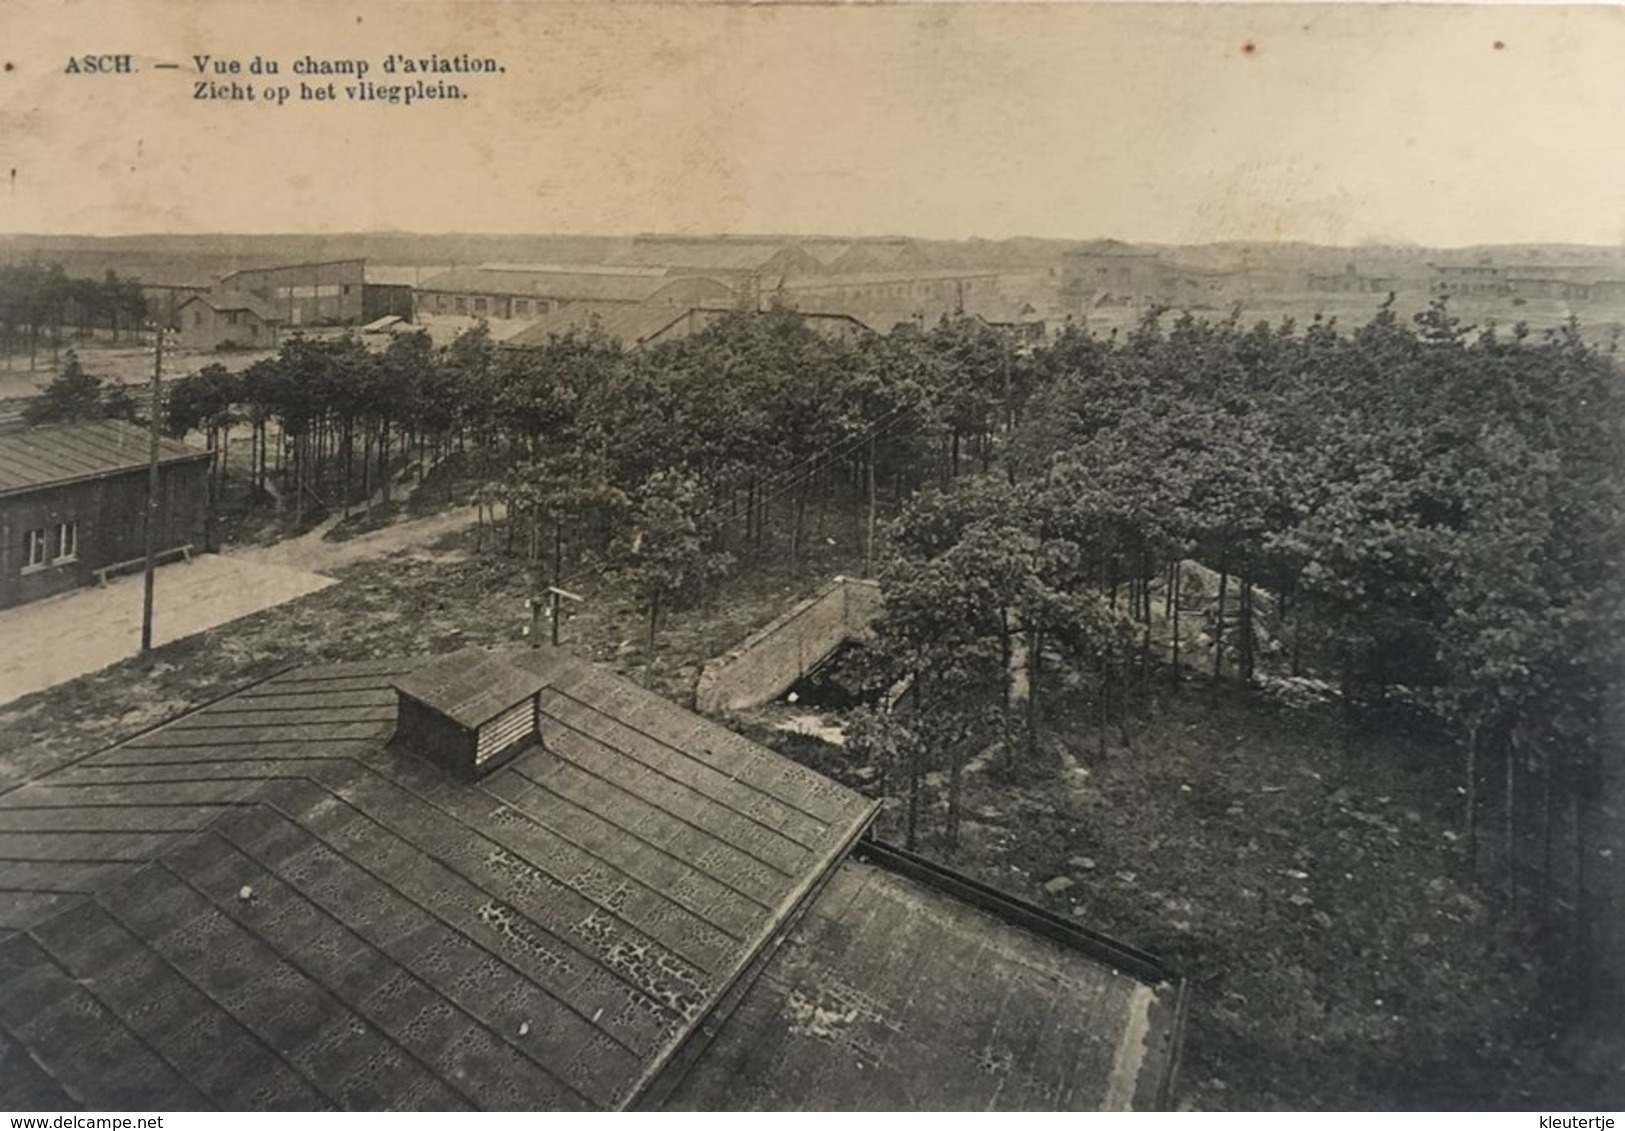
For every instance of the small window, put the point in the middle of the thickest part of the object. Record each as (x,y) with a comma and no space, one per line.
(461,304)
(197,317)
(479,306)
(67,541)
(36,549)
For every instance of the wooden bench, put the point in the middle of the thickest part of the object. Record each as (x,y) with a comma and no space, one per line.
(118,568)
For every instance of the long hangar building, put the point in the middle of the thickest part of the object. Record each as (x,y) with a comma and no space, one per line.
(517,880)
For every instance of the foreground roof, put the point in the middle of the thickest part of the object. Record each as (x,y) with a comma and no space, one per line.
(55,454)
(261,905)
(268,903)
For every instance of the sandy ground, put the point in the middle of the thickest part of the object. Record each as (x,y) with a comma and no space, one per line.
(312,551)
(128,363)
(50,641)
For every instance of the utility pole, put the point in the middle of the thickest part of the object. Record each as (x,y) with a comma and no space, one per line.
(150,527)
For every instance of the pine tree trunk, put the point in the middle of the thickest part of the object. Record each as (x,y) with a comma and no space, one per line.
(1105,705)
(1173,616)
(1246,624)
(1035,659)
(911,833)
(869,531)
(1470,814)
(558,549)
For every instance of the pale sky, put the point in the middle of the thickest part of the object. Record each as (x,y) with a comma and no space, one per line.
(1342,124)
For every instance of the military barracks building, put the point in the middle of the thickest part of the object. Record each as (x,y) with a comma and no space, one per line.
(73,504)
(529,292)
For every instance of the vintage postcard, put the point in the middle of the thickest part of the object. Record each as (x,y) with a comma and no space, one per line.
(890,557)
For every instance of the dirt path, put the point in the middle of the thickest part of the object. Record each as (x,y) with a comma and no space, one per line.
(58,639)
(312,551)
(44,643)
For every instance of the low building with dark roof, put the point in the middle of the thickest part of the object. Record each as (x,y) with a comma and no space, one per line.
(631,324)
(517,880)
(525,293)
(1114,273)
(635,326)
(73,501)
(935,290)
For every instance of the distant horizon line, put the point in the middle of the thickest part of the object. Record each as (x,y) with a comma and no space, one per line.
(780,237)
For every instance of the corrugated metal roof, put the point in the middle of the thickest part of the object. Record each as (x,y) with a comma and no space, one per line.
(62,453)
(261,905)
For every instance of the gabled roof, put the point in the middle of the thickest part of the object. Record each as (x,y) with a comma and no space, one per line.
(222,301)
(262,904)
(55,454)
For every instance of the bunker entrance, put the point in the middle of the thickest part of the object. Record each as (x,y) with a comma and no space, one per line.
(827,687)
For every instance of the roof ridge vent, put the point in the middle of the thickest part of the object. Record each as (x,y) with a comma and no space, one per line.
(468,712)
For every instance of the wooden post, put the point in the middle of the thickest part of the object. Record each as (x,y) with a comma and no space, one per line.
(150,529)
(557,594)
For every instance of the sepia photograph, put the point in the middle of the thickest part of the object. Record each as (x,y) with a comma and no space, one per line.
(874,557)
